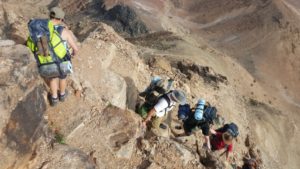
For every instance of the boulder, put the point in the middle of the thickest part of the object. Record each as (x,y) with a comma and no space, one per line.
(112,134)
(115,86)
(22,105)
(6,43)
(63,157)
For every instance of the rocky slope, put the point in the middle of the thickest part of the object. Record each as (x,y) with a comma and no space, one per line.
(96,126)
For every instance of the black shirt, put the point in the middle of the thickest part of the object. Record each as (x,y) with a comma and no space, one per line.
(191,123)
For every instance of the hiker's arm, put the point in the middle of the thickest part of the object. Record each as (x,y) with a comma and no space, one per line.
(149,116)
(71,42)
(212,131)
(228,150)
(207,141)
(227,155)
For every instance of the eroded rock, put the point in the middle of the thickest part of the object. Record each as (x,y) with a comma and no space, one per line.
(113,131)
(22,105)
(207,73)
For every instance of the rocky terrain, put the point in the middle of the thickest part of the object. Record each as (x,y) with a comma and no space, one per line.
(96,127)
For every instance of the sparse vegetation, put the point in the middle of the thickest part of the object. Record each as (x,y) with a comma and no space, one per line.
(59,138)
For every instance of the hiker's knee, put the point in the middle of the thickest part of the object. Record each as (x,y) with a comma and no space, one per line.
(156,122)
(53,81)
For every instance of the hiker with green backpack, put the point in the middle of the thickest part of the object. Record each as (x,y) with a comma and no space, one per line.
(49,41)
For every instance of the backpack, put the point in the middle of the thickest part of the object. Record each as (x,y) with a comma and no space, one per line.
(156,90)
(209,114)
(146,107)
(184,111)
(232,128)
(48,48)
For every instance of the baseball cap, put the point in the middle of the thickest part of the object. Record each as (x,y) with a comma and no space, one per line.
(57,12)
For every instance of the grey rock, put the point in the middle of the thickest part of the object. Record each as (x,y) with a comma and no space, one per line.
(6,43)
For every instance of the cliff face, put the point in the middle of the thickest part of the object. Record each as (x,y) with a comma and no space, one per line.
(96,126)
(259,34)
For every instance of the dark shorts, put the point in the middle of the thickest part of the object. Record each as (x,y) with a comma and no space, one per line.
(61,77)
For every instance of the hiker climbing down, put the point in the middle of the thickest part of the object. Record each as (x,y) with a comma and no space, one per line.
(49,40)
(152,93)
(164,105)
(157,84)
(223,138)
(202,116)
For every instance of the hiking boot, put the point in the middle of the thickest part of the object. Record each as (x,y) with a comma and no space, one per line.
(143,94)
(163,126)
(53,101)
(62,98)
(178,127)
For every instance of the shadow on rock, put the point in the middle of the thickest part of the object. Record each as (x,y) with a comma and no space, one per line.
(24,123)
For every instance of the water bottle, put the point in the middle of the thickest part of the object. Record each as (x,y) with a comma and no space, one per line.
(155,79)
(170,83)
(70,67)
(199,109)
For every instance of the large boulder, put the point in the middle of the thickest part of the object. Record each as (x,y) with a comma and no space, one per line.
(110,134)
(22,105)
(63,157)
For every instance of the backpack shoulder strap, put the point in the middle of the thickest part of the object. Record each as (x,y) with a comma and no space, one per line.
(51,28)
(59,29)
(166,97)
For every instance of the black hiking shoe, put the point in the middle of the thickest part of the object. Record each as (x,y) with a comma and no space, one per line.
(163,126)
(178,127)
(63,97)
(53,101)
(143,94)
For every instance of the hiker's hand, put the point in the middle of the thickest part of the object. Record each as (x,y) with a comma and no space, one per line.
(144,124)
(207,146)
(74,53)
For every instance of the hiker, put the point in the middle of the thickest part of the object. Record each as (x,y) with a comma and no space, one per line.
(165,104)
(202,116)
(157,84)
(152,93)
(223,138)
(59,84)
(49,40)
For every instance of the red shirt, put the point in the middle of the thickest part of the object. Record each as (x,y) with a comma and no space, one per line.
(217,143)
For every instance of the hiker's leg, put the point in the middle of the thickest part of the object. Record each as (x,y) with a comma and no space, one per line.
(62,84)
(156,122)
(53,84)
(164,118)
(187,129)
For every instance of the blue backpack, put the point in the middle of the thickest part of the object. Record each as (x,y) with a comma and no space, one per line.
(210,113)
(184,111)
(232,128)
